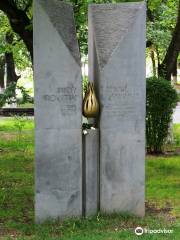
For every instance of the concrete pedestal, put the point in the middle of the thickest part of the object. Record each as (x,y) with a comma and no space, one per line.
(91,172)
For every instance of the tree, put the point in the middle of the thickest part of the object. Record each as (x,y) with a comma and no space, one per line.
(12,52)
(169,64)
(12,77)
(163,33)
(2,69)
(13,57)
(19,13)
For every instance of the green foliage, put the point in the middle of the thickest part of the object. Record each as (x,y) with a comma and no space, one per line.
(161,100)
(154,4)
(85,83)
(159,31)
(19,124)
(20,53)
(162,176)
(9,96)
(176,134)
(5,27)
(7,125)
(23,4)
(26,98)
(81,17)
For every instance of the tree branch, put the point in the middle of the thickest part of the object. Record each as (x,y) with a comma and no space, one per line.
(167,66)
(19,22)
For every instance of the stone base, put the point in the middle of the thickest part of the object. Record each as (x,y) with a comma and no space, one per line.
(91,172)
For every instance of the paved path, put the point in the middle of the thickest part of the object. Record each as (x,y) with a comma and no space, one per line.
(176,115)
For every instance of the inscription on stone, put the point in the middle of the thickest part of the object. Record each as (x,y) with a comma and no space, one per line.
(66,97)
(113,97)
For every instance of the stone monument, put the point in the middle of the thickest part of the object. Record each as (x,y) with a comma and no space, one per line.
(58,111)
(103,170)
(117,66)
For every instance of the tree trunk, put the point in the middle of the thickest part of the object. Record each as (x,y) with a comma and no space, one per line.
(174,73)
(19,22)
(158,59)
(2,69)
(10,66)
(166,68)
(153,62)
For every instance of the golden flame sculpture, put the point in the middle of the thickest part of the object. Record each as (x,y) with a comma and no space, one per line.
(90,102)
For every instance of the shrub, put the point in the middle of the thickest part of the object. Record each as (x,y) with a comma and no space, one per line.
(161,100)
(9,96)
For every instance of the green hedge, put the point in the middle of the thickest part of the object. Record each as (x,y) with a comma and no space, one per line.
(161,99)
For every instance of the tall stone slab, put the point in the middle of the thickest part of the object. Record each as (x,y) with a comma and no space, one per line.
(58,113)
(117,66)
(90,172)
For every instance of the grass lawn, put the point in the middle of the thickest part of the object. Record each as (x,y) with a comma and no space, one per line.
(17,196)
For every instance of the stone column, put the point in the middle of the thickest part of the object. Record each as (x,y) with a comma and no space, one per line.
(90,172)
(58,111)
(117,65)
